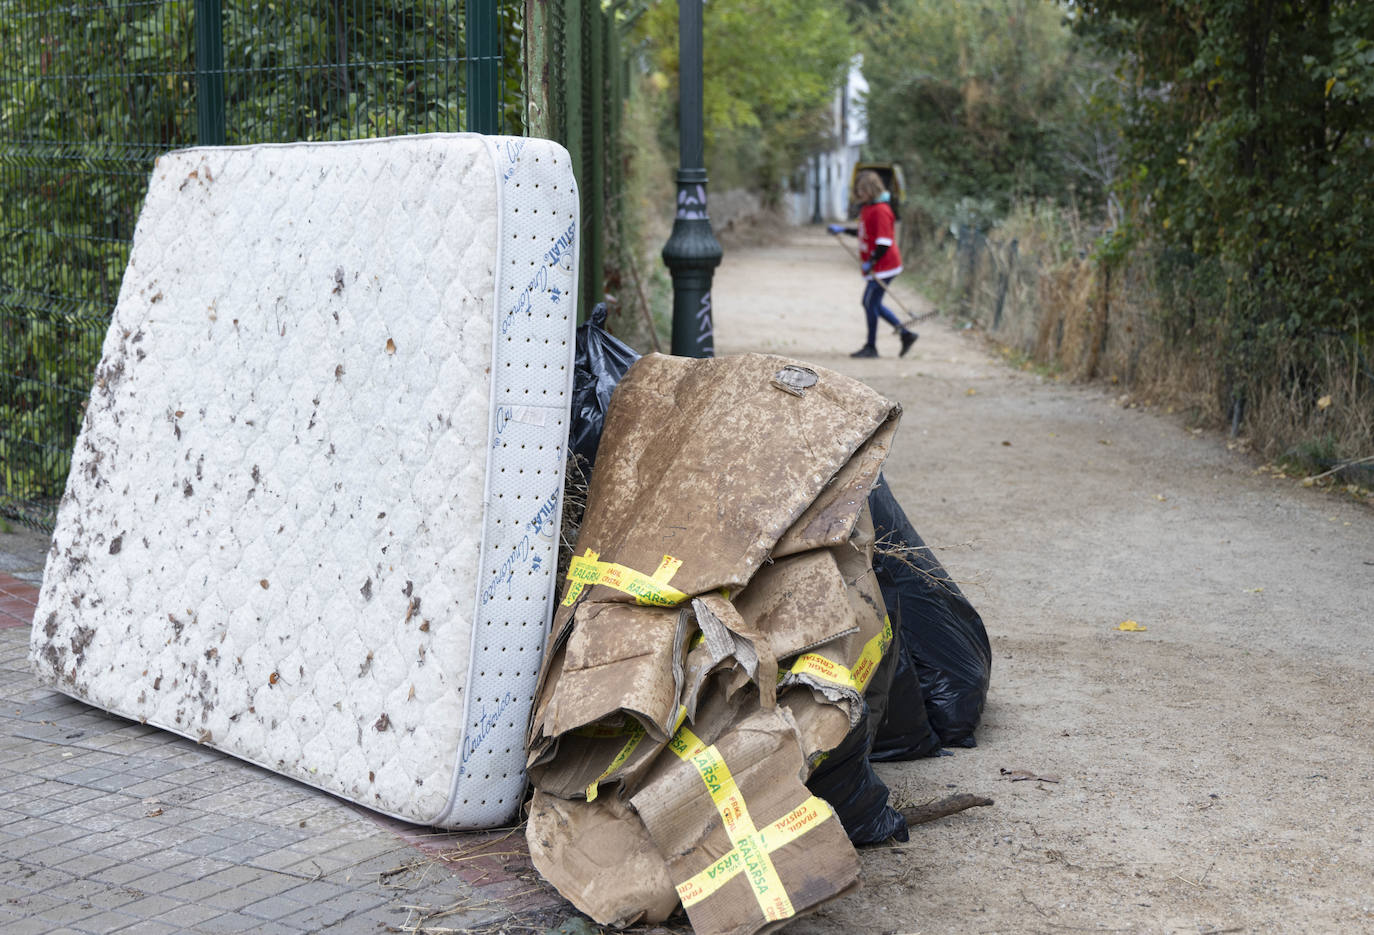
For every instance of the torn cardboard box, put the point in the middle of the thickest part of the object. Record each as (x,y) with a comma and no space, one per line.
(720,625)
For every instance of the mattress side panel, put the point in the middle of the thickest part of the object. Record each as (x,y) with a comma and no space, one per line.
(531,366)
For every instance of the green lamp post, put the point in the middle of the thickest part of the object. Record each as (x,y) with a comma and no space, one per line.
(692,252)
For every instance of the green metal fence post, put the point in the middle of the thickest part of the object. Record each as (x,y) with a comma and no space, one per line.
(484,67)
(209,73)
(594,226)
(575,91)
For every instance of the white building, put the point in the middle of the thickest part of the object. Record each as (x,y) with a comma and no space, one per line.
(825,194)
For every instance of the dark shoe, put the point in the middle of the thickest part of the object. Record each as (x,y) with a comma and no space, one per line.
(868,350)
(908,339)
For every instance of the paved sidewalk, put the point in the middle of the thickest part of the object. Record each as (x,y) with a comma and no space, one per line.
(107,825)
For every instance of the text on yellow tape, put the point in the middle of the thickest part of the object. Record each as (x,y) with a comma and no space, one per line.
(753,858)
(652,589)
(828,670)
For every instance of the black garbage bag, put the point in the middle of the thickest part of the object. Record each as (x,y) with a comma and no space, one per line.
(942,634)
(847,781)
(904,732)
(600,362)
(846,778)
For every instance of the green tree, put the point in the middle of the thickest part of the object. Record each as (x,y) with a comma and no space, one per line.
(987,101)
(1249,128)
(771,70)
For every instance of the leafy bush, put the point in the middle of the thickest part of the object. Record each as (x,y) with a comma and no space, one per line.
(1248,130)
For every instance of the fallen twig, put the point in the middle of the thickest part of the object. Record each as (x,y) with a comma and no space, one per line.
(933,811)
(1338,468)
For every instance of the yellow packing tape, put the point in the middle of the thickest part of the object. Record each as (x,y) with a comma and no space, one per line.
(750,854)
(828,670)
(636,733)
(652,589)
(781,832)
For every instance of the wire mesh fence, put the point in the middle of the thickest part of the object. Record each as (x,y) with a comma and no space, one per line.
(92,93)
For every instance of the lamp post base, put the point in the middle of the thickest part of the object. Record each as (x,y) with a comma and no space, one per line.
(692,254)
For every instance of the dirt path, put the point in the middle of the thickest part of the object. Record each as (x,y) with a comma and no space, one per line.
(1216,771)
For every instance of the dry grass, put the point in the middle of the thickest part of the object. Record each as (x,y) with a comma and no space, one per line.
(1323,424)
(575,483)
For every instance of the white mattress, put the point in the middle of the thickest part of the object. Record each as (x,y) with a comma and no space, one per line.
(312,511)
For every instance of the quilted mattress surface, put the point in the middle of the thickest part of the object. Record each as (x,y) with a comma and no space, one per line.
(312,511)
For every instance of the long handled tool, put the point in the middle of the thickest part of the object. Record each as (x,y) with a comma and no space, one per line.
(910,318)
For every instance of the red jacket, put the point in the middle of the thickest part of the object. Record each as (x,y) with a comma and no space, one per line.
(877,226)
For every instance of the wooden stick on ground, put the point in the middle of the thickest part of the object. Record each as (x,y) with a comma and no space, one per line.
(949,805)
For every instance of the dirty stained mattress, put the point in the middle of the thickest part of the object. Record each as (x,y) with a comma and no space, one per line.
(312,510)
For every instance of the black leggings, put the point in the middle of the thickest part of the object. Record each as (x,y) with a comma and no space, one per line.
(875,309)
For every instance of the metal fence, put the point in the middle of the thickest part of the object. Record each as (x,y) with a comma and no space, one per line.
(92,93)
(577,87)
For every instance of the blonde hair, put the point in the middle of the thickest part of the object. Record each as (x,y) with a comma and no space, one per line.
(868,186)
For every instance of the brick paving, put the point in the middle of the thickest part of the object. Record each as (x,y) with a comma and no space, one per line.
(107,825)
(17,601)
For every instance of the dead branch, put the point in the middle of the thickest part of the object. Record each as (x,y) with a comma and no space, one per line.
(1340,467)
(949,805)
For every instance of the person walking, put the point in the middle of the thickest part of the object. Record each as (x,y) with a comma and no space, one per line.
(879,259)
